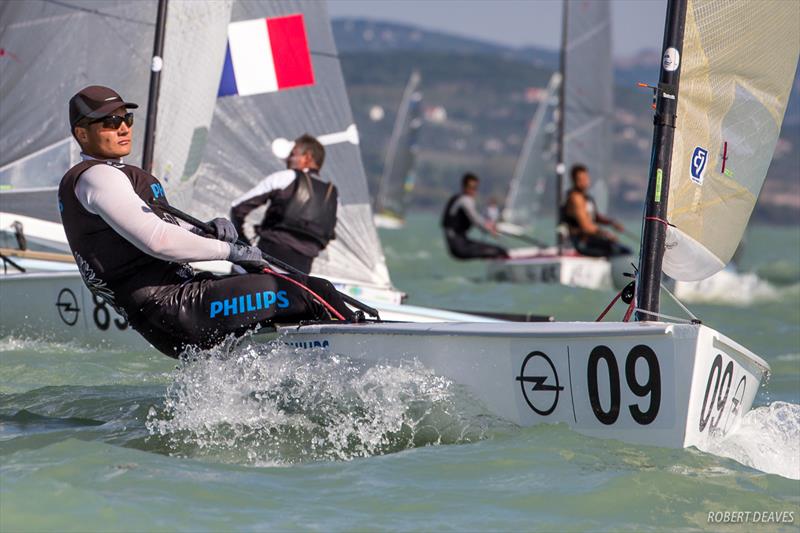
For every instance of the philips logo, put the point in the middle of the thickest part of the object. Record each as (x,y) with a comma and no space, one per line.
(306,345)
(158,191)
(698,164)
(248,303)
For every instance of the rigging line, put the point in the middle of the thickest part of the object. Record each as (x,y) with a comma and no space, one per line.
(67,5)
(662,315)
(675,299)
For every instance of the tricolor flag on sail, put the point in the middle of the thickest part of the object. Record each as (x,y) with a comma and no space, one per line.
(266,55)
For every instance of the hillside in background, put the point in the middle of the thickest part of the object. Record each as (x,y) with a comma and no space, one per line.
(479,99)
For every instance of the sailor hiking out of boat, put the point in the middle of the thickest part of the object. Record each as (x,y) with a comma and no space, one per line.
(583,221)
(134,255)
(460,214)
(301,216)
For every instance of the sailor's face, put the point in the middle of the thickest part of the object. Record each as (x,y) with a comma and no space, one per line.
(583,180)
(104,142)
(298,160)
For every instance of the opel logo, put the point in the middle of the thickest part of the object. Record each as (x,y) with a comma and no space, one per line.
(538,370)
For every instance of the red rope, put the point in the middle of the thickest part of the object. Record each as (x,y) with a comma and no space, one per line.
(319,298)
(658,220)
(629,312)
(608,307)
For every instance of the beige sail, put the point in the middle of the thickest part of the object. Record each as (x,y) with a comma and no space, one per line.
(737,69)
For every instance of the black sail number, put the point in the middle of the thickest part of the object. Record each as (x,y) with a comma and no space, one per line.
(102,316)
(604,353)
(651,387)
(715,400)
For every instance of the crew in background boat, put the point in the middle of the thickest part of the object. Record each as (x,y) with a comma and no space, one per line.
(580,215)
(134,256)
(459,215)
(301,216)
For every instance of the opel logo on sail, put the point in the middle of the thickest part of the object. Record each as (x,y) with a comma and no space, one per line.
(539,370)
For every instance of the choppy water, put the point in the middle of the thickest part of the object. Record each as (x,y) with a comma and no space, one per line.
(270,438)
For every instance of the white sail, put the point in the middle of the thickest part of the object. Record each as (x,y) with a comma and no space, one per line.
(737,68)
(51,51)
(84,42)
(194,50)
(536,165)
(259,114)
(397,179)
(588,93)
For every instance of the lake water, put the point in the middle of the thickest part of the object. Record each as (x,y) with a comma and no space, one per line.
(277,439)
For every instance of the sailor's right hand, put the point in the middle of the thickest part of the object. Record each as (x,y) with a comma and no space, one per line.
(247,257)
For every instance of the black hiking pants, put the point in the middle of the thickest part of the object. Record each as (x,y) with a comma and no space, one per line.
(205,309)
(463,248)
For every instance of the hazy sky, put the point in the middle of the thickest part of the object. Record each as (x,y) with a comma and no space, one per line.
(637,23)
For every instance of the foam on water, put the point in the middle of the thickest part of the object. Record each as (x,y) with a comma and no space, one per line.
(768,439)
(272,404)
(730,288)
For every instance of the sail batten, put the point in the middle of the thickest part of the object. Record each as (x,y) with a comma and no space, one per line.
(738,65)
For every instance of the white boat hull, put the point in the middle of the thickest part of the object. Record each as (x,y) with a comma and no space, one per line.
(574,271)
(649,383)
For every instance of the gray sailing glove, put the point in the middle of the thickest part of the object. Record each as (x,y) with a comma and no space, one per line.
(224,230)
(247,257)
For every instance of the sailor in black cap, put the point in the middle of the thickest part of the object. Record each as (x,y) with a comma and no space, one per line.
(134,255)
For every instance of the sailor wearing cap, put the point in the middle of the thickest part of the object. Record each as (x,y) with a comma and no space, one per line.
(134,255)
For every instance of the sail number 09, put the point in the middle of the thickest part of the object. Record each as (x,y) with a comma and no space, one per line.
(651,387)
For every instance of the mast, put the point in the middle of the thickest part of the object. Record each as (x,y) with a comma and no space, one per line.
(655,226)
(400,128)
(155,84)
(560,168)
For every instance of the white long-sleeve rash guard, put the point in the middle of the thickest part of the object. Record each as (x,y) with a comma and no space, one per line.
(106,191)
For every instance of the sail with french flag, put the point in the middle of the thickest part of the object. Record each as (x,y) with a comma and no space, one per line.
(266,55)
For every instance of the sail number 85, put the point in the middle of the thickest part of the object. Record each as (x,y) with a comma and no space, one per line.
(651,387)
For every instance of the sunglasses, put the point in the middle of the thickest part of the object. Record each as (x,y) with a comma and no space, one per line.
(115,121)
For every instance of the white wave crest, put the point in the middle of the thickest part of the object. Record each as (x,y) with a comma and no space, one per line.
(727,287)
(272,404)
(768,439)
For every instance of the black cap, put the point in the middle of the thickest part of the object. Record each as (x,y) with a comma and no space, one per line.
(95,101)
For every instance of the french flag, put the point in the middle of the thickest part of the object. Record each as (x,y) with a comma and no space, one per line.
(266,55)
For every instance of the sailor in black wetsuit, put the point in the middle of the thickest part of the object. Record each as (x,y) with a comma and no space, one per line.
(459,215)
(580,215)
(134,256)
(301,216)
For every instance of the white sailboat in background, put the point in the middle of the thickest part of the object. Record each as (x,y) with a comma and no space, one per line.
(572,125)
(397,180)
(726,75)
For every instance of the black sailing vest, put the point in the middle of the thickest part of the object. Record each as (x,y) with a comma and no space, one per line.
(571,221)
(306,208)
(112,267)
(457,222)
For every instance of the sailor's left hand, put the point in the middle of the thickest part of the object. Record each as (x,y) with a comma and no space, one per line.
(617,226)
(224,230)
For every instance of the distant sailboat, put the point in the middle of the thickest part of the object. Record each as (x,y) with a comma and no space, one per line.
(397,180)
(572,125)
